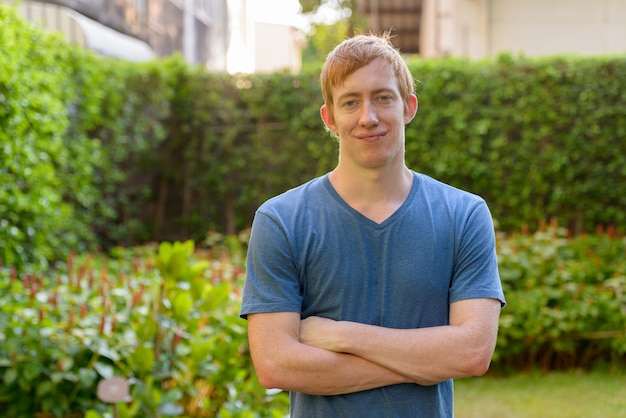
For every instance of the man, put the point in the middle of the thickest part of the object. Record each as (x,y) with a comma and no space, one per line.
(370,288)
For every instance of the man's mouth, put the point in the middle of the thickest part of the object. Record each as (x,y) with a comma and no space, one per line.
(371,137)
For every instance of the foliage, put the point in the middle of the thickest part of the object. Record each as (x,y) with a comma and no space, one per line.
(345,11)
(538,138)
(566,299)
(131,124)
(78,133)
(233,142)
(322,38)
(323,35)
(166,320)
(39,219)
(102,152)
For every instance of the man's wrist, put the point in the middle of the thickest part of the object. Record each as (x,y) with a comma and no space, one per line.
(344,336)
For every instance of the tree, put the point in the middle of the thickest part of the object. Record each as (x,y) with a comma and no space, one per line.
(322,39)
(325,34)
(345,9)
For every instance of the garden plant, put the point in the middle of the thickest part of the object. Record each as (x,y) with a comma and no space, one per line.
(165,320)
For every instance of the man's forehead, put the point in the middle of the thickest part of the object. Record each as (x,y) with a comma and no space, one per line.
(371,81)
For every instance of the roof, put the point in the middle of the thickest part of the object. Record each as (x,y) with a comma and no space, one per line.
(86,32)
(109,42)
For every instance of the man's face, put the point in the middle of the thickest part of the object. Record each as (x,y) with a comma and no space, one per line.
(369,116)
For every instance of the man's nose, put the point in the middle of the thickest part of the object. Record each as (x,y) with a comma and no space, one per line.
(368,114)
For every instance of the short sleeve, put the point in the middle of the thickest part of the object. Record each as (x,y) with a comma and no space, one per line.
(476,265)
(272,279)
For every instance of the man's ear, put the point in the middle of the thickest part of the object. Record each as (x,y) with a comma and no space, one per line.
(411,109)
(328,118)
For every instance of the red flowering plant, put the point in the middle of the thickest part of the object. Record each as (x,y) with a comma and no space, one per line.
(165,321)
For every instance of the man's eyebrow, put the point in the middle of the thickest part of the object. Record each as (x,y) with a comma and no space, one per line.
(346,96)
(384,90)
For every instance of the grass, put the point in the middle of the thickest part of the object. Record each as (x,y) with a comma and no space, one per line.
(575,394)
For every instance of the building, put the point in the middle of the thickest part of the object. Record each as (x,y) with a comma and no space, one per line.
(262,47)
(404,17)
(487,28)
(139,29)
(219,34)
(277,48)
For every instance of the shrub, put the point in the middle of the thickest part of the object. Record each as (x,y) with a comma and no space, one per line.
(41,181)
(166,322)
(537,137)
(566,299)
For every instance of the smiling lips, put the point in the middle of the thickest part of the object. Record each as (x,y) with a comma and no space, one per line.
(371,137)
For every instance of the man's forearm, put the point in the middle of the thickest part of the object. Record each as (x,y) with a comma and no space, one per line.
(425,356)
(283,362)
(328,373)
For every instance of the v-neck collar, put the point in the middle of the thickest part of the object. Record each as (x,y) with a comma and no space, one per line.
(364,219)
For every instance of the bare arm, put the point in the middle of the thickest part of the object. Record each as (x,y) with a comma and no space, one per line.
(425,355)
(282,361)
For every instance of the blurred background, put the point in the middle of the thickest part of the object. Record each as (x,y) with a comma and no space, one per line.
(256,36)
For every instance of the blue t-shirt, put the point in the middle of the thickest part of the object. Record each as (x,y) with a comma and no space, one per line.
(310,252)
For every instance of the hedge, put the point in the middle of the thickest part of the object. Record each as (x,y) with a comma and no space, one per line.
(100,152)
(36,165)
(538,138)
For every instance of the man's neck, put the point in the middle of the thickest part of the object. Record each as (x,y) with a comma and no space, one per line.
(376,194)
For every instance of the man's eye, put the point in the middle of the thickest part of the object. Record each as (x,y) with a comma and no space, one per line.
(350,103)
(384,98)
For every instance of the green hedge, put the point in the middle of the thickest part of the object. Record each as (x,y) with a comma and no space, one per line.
(74,128)
(36,163)
(534,153)
(538,138)
(100,151)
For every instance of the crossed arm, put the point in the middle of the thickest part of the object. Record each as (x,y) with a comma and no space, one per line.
(326,357)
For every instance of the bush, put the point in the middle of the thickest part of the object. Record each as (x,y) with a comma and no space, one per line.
(42,183)
(537,138)
(566,300)
(167,322)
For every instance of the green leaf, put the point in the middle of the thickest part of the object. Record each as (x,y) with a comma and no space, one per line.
(171,409)
(44,388)
(10,376)
(143,359)
(87,377)
(182,304)
(146,330)
(32,370)
(104,370)
(65,363)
